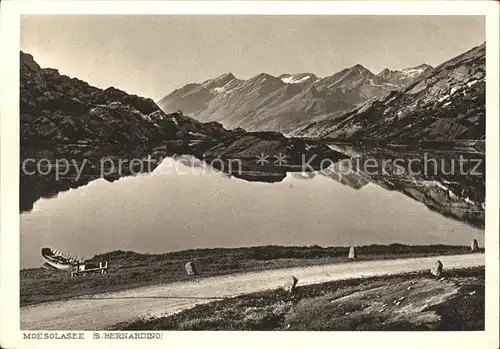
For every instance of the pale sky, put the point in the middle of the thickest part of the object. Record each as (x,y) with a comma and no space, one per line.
(153,55)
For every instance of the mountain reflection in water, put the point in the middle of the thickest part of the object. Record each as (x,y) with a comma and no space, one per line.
(431,176)
(205,207)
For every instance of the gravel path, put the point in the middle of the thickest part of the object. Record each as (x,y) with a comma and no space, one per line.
(104,310)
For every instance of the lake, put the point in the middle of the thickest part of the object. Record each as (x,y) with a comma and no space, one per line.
(185,204)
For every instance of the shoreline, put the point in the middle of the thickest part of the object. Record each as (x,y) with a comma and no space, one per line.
(129,270)
(103,311)
(382,248)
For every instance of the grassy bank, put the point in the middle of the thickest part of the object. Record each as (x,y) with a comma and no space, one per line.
(130,269)
(416,301)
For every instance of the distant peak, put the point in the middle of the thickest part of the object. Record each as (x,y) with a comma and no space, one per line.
(422,67)
(385,71)
(219,81)
(359,68)
(264,75)
(416,71)
(226,76)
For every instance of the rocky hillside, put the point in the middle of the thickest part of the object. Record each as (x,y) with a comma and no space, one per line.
(287,102)
(58,109)
(447,103)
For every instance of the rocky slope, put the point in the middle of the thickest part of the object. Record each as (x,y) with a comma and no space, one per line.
(58,109)
(287,102)
(447,103)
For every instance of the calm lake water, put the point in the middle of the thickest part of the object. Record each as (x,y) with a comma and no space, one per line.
(195,207)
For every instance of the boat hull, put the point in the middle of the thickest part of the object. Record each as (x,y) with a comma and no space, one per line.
(58,260)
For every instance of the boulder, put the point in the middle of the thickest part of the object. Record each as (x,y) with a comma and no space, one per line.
(437,269)
(190,268)
(290,284)
(353,253)
(474,247)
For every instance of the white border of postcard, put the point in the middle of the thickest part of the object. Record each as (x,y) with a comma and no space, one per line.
(11,336)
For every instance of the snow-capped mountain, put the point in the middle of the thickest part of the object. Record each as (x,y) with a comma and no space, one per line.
(405,76)
(445,103)
(287,102)
(194,98)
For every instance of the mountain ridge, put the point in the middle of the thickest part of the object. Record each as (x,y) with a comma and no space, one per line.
(247,104)
(446,103)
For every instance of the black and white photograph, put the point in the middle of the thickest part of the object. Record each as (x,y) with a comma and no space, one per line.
(253,172)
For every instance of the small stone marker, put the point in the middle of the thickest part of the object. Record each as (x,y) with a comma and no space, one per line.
(190,268)
(474,247)
(353,253)
(437,269)
(290,285)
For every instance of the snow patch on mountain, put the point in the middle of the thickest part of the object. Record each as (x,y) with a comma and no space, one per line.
(416,71)
(294,79)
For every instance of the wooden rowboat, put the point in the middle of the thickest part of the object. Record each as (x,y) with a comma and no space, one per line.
(59,260)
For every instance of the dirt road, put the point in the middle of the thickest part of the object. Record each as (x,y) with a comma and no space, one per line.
(105,310)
